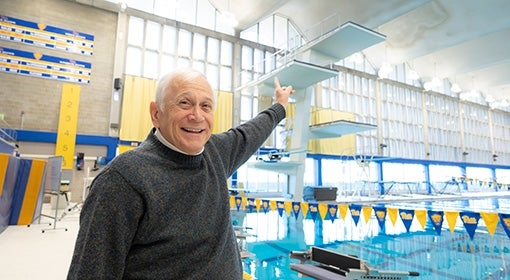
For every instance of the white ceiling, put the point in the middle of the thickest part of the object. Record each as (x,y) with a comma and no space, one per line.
(464,41)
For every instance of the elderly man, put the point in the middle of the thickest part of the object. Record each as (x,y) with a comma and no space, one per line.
(161,211)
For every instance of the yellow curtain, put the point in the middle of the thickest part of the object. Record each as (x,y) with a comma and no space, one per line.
(223,112)
(344,145)
(135,120)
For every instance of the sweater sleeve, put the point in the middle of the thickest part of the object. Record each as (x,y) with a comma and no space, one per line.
(238,144)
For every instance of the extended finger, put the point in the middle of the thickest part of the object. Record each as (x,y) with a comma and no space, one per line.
(276,83)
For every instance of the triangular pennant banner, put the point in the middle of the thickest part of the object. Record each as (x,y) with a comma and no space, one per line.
(380,215)
(239,201)
(343,208)
(251,204)
(280,205)
(367,213)
(332,210)
(421,216)
(355,212)
(232,201)
(304,208)
(314,209)
(505,223)
(288,207)
(265,205)
(258,203)
(323,210)
(296,208)
(436,217)
(407,217)
(272,205)
(451,219)
(470,221)
(393,214)
(491,221)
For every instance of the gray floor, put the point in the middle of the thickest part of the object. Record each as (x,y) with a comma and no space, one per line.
(28,253)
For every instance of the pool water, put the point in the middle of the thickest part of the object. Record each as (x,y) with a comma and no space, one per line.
(448,255)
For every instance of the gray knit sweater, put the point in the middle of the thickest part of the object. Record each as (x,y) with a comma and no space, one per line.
(154,213)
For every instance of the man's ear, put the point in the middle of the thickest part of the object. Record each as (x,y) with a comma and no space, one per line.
(154,111)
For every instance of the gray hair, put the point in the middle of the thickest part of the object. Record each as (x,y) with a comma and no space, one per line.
(185,74)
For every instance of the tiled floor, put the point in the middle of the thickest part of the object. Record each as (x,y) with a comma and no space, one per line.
(28,253)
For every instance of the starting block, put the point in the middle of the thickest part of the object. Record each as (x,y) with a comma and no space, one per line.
(322,264)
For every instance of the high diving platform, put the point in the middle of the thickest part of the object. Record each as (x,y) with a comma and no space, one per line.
(302,68)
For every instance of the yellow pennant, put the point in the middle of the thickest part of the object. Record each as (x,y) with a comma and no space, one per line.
(288,207)
(244,202)
(367,212)
(491,221)
(393,214)
(451,219)
(323,210)
(304,208)
(232,201)
(421,216)
(272,205)
(258,204)
(343,208)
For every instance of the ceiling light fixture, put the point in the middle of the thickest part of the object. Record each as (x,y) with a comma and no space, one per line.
(455,88)
(228,17)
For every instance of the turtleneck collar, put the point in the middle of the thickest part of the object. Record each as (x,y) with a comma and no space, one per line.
(169,145)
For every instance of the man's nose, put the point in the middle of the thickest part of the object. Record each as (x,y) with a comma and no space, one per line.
(196,113)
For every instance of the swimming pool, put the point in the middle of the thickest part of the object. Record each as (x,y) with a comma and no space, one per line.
(451,254)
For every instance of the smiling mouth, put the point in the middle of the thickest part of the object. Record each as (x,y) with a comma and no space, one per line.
(193,130)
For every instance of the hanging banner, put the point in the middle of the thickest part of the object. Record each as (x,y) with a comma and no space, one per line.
(44,66)
(355,210)
(251,204)
(239,201)
(258,203)
(296,208)
(421,216)
(288,207)
(491,221)
(344,209)
(332,212)
(451,219)
(367,213)
(67,124)
(470,221)
(265,205)
(280,206)
(304,207)
(436,217)
(505,222)
(323,210)
(407,218)
(42,35)
(314,209)
(380,215)
(393,214)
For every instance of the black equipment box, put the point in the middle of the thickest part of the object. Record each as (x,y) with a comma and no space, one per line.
(320,193)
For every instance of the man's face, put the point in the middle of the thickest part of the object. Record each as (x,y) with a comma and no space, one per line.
(186,120)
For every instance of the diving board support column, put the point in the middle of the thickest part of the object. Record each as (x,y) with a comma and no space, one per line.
(67,123)
(300,140)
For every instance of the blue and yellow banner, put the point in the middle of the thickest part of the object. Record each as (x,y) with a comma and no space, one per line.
(47,36)
(28,192)
(39,65)
(333,211)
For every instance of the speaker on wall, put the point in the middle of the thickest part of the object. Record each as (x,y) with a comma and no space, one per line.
(117,83)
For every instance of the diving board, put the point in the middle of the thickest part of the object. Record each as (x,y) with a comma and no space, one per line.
(299,74)
(337,129)
(339,43)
